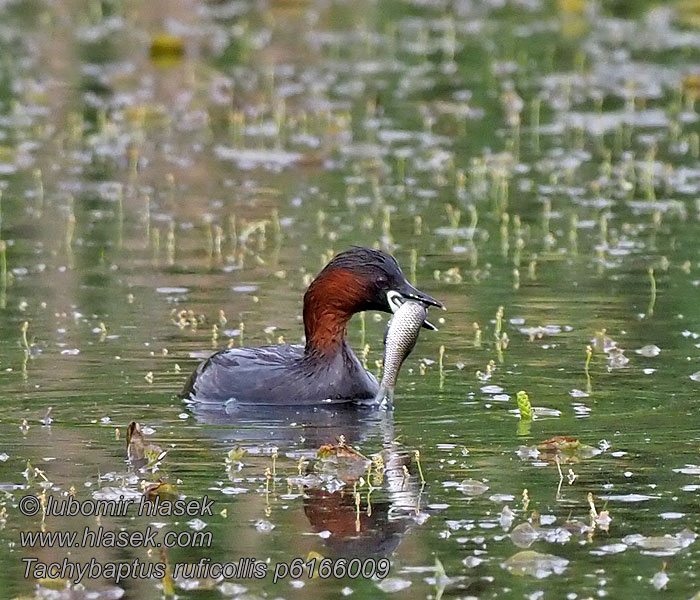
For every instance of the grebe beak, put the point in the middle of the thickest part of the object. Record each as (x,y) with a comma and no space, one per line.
(407,292)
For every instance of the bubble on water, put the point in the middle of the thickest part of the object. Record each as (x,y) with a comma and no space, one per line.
(264,526)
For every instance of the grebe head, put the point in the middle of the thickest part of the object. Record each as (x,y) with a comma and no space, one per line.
(355,280)
(384,284)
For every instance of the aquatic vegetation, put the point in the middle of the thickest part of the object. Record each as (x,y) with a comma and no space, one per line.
(524,406)
(665,545)
(139,451)
(535,564)
(649,351)
(472,487)
(170,188)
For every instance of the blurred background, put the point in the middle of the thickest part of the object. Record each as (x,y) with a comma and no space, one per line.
(173,174)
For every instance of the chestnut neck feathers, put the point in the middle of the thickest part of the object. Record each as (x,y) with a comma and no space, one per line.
(329,303)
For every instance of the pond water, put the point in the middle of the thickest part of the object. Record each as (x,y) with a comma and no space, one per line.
(173,174)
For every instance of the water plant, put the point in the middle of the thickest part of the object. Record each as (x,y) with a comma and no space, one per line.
(524,406)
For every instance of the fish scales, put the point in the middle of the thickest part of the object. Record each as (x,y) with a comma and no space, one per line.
(400,338)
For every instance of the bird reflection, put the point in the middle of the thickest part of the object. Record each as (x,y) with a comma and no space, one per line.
(293,427)
(369,521)
(358,510)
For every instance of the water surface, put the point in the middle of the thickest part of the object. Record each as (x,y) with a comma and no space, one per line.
(173,174)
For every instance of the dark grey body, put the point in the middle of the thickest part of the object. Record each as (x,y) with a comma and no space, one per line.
(281,375)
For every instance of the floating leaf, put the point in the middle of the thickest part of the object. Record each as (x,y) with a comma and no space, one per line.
(649,351)
(524,535)
(617,358)
(661,545)
(577,528)
(154,453)
(340,450)
(563,448)
(560,443)
(472,487)
(340,461)
(161,490)
(535,564)
(53,584)
(313,555)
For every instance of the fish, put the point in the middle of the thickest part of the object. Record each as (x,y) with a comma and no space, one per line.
(399,339)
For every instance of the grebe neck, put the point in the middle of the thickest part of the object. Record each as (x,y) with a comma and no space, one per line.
(329,303)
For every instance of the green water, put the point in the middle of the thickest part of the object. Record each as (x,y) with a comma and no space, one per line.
(537,156)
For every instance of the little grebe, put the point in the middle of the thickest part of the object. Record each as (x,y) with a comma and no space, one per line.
(326,370)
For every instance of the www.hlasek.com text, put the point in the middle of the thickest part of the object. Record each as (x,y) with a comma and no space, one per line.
(103,537)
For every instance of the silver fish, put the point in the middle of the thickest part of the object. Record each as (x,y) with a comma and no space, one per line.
(399,340)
